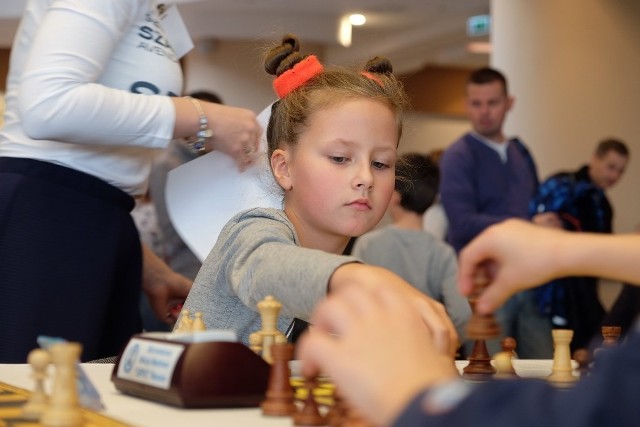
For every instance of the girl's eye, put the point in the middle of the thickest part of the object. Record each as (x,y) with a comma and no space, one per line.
(379,165)
(338,159)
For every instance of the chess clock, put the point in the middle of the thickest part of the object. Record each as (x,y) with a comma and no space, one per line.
(207,369)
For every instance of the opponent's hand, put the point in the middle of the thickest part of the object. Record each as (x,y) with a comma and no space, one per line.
(514,255)
(236,132)
(432,313)
(375,347)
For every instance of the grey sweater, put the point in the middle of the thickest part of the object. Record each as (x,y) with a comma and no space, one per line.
(421,259)
(258,254)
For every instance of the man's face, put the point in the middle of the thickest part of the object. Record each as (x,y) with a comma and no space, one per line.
(606,170)
(487,105)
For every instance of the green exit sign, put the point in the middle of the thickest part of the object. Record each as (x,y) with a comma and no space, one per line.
(479,25)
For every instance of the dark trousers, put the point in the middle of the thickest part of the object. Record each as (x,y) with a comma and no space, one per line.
(70,260)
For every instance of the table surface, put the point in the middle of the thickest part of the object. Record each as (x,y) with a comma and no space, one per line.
(140,412)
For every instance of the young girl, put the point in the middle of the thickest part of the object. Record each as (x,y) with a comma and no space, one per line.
(332,142)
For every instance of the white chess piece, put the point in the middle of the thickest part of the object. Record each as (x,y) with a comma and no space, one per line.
(562,371)
(63,409)
(198,323)
(185,323)
(39,360)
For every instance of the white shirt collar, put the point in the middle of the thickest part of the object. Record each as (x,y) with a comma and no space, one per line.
(498,147)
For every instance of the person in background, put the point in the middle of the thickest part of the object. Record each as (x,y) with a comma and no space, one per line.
(415,255)
(435,219)
(332,141)
(91,94)
(146,220)
(392,384)
(167,243)
(487,177)
(579,201)
(174,250)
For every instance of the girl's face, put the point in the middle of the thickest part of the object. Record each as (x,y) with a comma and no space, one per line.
(340,176)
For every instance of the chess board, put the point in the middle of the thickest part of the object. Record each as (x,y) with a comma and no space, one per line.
(11,401)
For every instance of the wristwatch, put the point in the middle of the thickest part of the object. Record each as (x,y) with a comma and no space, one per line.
(197,143)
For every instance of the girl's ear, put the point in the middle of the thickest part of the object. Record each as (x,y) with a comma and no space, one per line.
(280,166)
(396,198)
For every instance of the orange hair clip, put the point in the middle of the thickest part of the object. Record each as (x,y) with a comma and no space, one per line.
(295,77)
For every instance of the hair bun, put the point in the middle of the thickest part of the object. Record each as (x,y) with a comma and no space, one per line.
(379,65)
(284,56)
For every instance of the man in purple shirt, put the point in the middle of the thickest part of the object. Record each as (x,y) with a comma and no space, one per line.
(487,178)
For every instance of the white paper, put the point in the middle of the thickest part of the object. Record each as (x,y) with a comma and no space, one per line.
(203,194)
(176,31)
(149,362)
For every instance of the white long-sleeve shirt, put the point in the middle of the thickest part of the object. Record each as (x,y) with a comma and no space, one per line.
(77,72)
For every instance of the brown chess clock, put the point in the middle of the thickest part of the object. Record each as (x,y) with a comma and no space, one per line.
(189,374)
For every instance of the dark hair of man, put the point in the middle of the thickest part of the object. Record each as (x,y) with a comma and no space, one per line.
(417,180)
(486,75)
(611,144)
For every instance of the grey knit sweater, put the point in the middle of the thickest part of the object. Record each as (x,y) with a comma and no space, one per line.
(258,254)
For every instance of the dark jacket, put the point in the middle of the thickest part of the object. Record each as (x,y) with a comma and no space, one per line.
(573,302)
(607,397)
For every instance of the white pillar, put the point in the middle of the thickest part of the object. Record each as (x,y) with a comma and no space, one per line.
(574,68)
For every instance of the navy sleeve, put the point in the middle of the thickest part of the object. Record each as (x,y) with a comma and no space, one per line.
(608,397)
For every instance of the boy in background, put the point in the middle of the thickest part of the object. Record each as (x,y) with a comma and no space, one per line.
(423,260)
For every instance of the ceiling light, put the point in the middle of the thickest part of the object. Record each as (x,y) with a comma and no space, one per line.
(344,32)
(357,19)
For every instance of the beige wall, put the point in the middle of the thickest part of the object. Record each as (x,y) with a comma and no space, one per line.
(573,66)
(425,132)
(231,69)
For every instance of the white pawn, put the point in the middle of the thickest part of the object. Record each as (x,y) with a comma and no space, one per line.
(39,360)
(503,365)
(184,323)
(198,322)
